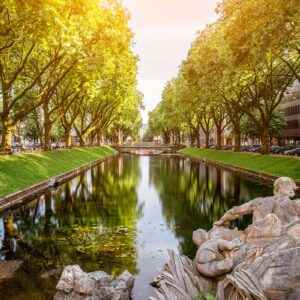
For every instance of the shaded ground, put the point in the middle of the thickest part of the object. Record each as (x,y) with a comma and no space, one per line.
(8,268)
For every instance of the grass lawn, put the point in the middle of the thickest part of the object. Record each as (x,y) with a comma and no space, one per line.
(268,164)
(23,170)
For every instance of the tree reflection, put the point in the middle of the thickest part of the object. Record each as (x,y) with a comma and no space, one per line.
(90,221)
(194,195)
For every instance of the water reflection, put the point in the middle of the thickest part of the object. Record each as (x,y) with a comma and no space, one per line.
(90,221)
(195,195)
(123,214)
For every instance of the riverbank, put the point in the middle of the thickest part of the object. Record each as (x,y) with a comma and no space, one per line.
(271,166)
(21,171)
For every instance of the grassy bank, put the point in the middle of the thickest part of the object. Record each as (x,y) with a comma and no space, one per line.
(272,165)
(23,170)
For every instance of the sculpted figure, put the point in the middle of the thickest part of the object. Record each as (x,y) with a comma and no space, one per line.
(262,262)
(215,253)
(270,214)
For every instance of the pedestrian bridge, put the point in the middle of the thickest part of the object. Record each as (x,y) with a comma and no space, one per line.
(147,148)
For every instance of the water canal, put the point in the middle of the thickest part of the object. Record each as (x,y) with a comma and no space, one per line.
(122,214)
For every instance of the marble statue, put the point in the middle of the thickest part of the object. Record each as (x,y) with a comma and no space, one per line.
(215,255)
(262,262)
(281,205)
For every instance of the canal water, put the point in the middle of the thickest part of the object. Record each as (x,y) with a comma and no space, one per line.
(122,214)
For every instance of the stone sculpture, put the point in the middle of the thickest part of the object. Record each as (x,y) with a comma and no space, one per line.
(281,205)
(262,262)
(76,284)
(215,254)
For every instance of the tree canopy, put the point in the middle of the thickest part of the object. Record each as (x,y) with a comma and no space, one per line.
(241,66)
(66,63)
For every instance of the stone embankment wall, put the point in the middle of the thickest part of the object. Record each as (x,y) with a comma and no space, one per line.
(15,200)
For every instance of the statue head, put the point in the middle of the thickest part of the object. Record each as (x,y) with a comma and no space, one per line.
(200,236)
(284,186)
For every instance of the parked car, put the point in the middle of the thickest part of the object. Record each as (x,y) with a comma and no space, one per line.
(245,148)
(283,149)
(16,147)
(293,152)
(37,146)
(228,148)
(58,145)
(255,148)
(273,149)
(278,150)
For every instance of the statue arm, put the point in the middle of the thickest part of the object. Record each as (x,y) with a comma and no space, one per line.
(236,212)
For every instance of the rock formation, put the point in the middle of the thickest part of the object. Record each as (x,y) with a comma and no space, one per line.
(75,284)
(262,262)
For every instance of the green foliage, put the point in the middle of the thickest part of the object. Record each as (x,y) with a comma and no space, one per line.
(165,119)
(71,60)
(241,65)
(207,296)
(249,128)
(148,136)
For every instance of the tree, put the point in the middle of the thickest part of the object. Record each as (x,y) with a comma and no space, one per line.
(29,46)
(249,128)
(72,60)
(235,67)
(256,27)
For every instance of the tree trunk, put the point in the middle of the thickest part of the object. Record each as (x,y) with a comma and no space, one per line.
(81,140)
(99,139)
(207,139)
(265,138)
(120,137)
(219,137)
(191,137)
(47,128)
(68,138)
(7,131)
(237,136)
(237,141)
(167,138)
(93,141)
(47,137)
(198,138)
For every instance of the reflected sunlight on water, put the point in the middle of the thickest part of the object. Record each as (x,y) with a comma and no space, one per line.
(122,214)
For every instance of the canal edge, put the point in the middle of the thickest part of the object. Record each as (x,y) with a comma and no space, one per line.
(28,194)
(256,176)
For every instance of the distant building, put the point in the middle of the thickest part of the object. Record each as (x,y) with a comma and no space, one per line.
(291,106)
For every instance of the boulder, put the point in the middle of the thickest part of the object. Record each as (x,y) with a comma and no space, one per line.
(76,284)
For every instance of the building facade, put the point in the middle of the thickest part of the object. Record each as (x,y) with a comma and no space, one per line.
(290,134)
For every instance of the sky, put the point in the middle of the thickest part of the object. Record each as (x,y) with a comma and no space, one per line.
(164,31)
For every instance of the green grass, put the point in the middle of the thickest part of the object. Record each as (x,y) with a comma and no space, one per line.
(23,170)
(268,164)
